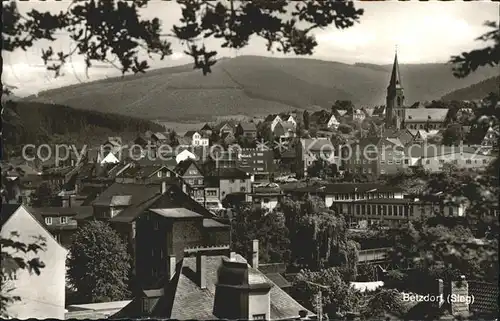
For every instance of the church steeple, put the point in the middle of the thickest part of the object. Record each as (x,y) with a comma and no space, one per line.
(395,81)
(395,95)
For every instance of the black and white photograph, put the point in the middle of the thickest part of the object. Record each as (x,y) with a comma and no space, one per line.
(250,160)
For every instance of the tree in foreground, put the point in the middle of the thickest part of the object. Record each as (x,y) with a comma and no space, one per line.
(99,264)
(337,294)
(109,31)
(269,228)
(15,256)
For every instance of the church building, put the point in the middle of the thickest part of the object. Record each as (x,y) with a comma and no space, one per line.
(399,116)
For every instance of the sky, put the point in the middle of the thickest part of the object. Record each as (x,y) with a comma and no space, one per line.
(424,32)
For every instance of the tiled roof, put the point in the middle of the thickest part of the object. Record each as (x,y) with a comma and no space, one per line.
(425,114)
(190,133)
(160,136)
(279,280)
(248,126)
(61,211)
(208,222)
(485,297)
(140,171)
(187,301)
(138,193)
(175,213)
(184,140)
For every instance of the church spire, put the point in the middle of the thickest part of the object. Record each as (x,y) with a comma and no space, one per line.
(395,76)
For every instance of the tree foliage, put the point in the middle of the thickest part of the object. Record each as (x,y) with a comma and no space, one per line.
(469,62)
(322,169)
(337,294)
(318,236)
(251,223)
(109,31)
(453,135)
(17,256)
(99,264)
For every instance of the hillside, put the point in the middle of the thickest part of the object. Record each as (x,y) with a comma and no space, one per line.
(39,123)
(475,91)
(253,85)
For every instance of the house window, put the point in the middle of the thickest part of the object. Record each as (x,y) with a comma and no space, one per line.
(406,162)
(145,305)
(242,189)
(485,161)
(369,170)
(159,174)
(441,161)
(266,200)
(468,161)
(428,161)
(260,161)
(389,162)
(48,220)
(232,180)
(382,161)
(64,220)
(259,316)
(242,181)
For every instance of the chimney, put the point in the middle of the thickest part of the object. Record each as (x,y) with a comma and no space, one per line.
(232,256)
(163,187)
(460,292)
(171,266)
(66,201)
(201,270)
(255,254)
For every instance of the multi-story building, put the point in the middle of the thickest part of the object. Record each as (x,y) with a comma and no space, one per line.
(311,149)
(267,196)
(229,181)
(194,176)
(432,158)
(258,163)
(121,205)
(61,222)
(374,156)
(346,192)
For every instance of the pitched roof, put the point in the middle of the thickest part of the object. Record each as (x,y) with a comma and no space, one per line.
(138,193)
(176,212)
(184,165)
(160,136)
(190,133)
(211,223)
(425,114)
(187,301)
(185,140)
(62,211)
(141,171)
(248,126)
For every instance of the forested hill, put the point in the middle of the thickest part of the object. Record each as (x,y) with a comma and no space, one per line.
(38,123)
(476,91)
